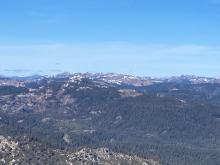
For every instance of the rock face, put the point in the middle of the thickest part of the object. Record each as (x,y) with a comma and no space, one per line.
(103,156)
(8,150)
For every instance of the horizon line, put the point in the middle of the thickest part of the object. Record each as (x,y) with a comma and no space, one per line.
(105,73)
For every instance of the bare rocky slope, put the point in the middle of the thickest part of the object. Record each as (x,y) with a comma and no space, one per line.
(21,152)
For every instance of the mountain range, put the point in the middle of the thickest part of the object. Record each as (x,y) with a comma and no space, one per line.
(109,118)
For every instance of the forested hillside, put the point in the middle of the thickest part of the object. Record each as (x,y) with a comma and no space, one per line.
(174,123)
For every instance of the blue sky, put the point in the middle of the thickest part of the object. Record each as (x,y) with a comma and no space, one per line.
(142,37)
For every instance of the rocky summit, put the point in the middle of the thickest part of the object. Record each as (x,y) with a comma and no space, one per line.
(21,152)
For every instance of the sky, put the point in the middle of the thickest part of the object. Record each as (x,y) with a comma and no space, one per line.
(155,38)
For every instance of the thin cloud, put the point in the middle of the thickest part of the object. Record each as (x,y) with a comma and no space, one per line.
(21,71)
(17,70)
